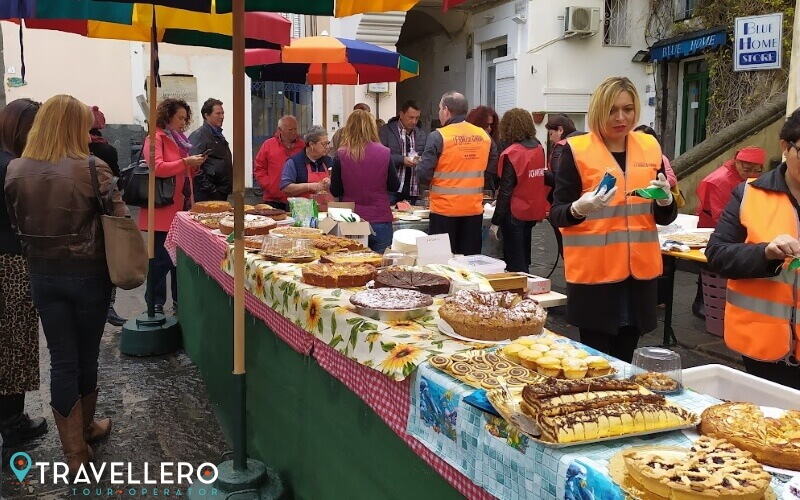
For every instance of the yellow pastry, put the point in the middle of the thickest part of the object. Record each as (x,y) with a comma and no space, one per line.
(556,353)
(578,353)
(545,341)
(526,341)
(539,347)
(512,351)
(549,367)
(528,357)
(574,368)
(598,366)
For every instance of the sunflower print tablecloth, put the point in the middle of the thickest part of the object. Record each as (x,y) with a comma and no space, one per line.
(395,348)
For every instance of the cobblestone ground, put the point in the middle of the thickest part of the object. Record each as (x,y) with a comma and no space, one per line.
(162,413)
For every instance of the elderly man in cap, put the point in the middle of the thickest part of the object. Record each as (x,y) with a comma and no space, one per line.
(714,192)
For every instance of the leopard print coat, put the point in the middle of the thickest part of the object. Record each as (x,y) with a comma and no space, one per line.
(19,328)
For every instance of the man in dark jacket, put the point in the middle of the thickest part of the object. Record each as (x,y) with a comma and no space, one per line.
(405,140)
(214,179)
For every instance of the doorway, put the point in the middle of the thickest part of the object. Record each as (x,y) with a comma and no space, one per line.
(695,104)
(490,52)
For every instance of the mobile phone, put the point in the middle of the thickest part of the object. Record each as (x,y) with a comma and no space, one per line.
(608,181)
(207,152)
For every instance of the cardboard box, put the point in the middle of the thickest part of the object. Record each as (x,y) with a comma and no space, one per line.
(358,231)
(511,282)
(728,384)
(538,285)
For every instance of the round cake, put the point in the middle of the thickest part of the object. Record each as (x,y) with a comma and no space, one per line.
(492,316)
(391,299)
(211,207)
(338,275)
(297,232)
(253,224)
(432,284)
(273,213)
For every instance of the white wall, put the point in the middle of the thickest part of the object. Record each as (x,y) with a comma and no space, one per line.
(110,74)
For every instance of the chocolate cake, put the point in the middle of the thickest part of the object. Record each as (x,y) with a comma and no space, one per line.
(432,284)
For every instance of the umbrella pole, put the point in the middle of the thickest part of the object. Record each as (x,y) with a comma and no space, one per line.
(151,334)
(241,475)
(325,96)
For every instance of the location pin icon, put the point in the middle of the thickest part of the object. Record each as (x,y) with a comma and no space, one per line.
(20,465)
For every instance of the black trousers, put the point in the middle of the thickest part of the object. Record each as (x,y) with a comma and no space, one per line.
(465,232)
(620,344)
(517,244)
(73,310)
(162,266)
(779,373)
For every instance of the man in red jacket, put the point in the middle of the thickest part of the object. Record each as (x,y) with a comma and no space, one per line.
(272,156)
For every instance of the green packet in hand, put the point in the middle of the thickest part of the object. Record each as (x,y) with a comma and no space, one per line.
(650,193)
(794,264)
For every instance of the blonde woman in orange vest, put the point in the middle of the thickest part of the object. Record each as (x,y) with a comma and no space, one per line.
(756,236)
(453,163)
(612,255)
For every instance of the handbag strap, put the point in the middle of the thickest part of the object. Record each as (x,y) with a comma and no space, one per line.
(96,184)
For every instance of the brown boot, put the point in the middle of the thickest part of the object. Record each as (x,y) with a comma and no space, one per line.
(93,430)
(70,430)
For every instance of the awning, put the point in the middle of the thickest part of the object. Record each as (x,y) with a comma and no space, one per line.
(688,44)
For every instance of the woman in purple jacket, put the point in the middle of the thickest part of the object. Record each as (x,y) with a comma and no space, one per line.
(362,174)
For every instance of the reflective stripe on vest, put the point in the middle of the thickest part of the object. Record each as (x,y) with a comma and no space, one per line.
(457,181)
(761,313)
(620,240)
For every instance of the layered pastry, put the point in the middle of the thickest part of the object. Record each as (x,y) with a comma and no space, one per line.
(391,299)
(432,284)
(330,243)
(656,381)
(710,469)
(210,220)
(338,275)
(772,441)
(211,207)
(273,213)
(569,411)
(297,232)
(492,316)
(362,257)
(253,224)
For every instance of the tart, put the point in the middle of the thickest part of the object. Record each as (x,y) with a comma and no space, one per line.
(211,207)
(772,441)
(432,284)
(710,469)
(253,224)
(391,299)
(338,275)
(360,257)
(330,243)
(210,220)
(273,213)
(492,316)
(297,232)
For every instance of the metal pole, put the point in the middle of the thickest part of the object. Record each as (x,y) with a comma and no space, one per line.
(151,184)
(792,98)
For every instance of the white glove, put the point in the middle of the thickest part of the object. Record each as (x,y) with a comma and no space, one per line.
(591,202)
(493,231)
(661,182)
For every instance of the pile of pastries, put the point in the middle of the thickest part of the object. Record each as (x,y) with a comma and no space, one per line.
(481,370)
(552,358)
(569,411)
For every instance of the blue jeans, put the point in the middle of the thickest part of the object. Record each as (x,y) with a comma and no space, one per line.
(517,244)
(382,239)
(73,310)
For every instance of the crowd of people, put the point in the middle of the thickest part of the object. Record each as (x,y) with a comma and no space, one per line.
(52,258)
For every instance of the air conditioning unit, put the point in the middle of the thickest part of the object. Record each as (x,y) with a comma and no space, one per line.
(581,21)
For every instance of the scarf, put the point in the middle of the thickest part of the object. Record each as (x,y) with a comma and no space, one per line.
(183,143)
(97,137)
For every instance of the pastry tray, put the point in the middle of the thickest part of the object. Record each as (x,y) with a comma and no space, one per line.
(610,374)
(292,260)
(526,424)
(391,314)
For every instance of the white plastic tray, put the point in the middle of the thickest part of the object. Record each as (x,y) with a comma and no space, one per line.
(733,385)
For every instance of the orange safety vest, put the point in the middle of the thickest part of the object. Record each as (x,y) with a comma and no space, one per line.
(620,240)
(761,313)
(457,183)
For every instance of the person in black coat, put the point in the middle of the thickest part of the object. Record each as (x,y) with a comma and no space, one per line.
(610,316)
(214,180)
(406,141)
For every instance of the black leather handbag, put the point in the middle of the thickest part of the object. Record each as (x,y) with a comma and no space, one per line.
(134,183)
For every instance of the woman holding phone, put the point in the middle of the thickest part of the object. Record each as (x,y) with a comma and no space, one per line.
(612,256)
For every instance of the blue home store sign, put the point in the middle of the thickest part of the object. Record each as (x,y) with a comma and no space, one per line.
(757,42)
(689,44)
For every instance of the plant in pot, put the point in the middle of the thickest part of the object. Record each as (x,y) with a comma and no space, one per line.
(538,117)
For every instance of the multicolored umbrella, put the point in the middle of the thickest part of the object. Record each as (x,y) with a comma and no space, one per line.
(338,8)
(71,9)
(186,5)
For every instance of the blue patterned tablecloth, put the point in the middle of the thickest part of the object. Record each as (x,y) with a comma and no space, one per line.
(509,465)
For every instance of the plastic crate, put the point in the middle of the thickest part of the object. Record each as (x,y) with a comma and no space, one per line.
(714,288)
(729,384)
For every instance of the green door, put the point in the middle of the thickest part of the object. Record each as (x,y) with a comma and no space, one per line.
(695,104)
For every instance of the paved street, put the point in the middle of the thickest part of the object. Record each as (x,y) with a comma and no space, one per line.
(161,411)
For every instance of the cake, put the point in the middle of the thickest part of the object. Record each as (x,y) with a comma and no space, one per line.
(297,232)
(330,243)
(772,441)
(273,213)
(253,224)
(362,257)
(492,316)
(338,275)
(391,299)
(432,284)
(211,207)
(210,220)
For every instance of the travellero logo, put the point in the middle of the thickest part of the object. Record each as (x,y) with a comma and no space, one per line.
(171,479)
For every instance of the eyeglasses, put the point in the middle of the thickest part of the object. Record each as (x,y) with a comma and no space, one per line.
(757,170)
(325,144)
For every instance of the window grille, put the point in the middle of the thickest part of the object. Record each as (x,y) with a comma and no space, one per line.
(616,24)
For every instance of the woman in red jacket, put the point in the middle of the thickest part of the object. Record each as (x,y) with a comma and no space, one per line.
(172,159)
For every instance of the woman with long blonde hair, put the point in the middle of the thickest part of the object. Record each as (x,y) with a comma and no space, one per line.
(55,213)
(362,173)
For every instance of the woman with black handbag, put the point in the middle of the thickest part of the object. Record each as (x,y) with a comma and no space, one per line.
(172,164)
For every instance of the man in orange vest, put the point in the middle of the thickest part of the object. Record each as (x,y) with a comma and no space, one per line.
(452,164)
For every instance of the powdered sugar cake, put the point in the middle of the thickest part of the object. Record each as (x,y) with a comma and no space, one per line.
(492,316)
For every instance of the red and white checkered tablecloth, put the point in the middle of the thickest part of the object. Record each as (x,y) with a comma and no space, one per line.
(388,398)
